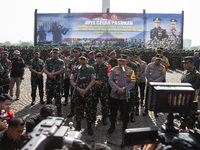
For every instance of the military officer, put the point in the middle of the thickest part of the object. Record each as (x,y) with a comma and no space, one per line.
(74,62)
(158,33)
(174,33)
(91,59)
(113,58)
(122,80)
(164,61)
(67,72)
(102,70)
(36,68)
(82,79)
(6,65)
(190,74)
(155,72)
(141,77)
(54,68)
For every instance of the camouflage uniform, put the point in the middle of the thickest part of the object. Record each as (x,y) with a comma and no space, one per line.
(101,92)
(4,77)
(53,86)
(81,103)
(91,62)
(189,76)
(134,91)
(37,65)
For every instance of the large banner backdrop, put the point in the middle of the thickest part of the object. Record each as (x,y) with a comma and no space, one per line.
(109,29)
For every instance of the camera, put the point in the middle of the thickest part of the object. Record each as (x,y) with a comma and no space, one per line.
(168,98)
(51,134)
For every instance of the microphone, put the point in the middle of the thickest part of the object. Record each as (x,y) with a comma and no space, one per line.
(123,68)
(75,143)
(79,67)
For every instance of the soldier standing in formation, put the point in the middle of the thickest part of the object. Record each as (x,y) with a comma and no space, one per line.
(102,70)
(36,68)
(82,79)
(54,68)
(120,76)
(155,72)
(67,72)
(74,62)
(141,78)
(4,75)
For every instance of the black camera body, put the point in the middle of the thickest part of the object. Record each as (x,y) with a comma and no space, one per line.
(51,134)
(167,98)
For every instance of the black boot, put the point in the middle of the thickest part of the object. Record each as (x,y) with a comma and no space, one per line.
(132,118)
(145,112)
(104,121)
(112,128)
(78,126)
(41,100)
(59,111)
(71,114)
(89,128)
(66,101)
(137,111)
(33,101)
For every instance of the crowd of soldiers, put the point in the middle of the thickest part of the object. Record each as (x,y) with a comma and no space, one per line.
(174,55)
(97,74)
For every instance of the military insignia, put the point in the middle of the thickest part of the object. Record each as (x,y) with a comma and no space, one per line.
(114,17)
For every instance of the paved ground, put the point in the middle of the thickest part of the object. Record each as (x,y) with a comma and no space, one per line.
(22,108)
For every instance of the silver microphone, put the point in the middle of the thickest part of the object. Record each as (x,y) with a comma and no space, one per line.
(79,67)
(123,68)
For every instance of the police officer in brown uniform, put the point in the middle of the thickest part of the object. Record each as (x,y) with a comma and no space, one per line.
(155,72)
(122,79)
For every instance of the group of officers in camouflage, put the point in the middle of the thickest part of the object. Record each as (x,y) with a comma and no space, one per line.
(114,80)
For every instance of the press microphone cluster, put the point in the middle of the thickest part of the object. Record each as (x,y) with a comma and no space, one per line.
(123,68)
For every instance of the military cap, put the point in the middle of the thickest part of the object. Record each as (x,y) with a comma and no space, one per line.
(159,49)
(37,52)
(83,55)
(99,54)
(126,52)
(122,57)
(76,49)
(188,59)
(157,19)
(112,52)
(55,50)
(5,53)
(173,20)
(159,57)
(17,52)
(91,52)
